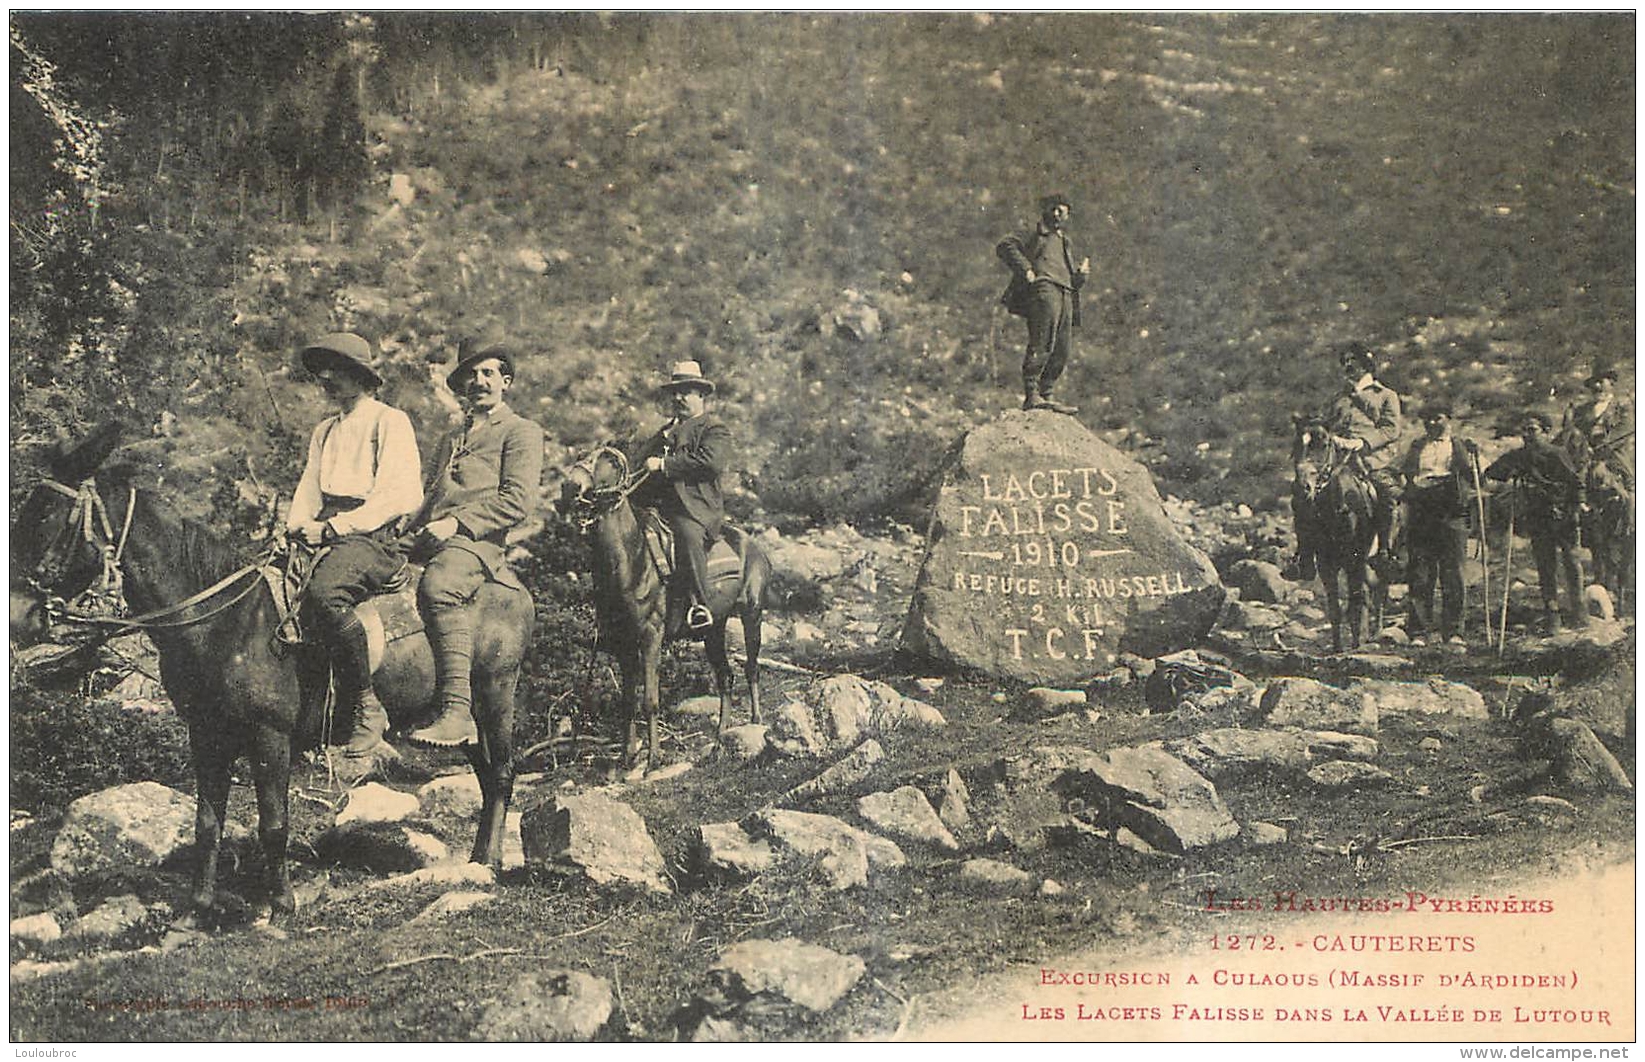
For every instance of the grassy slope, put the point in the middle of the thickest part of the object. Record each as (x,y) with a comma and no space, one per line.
(1250,188)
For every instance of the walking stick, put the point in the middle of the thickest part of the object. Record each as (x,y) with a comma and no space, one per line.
(1507,586)
(1484,546)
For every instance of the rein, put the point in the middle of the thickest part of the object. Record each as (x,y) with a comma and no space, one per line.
(595,502)
(88,503)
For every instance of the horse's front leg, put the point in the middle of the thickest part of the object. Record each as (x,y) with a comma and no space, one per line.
(651,658)
(493,761)
(633,669)
(1356,605)
(271,774)
(211,774)
(751,667)
(714,643)
(1333,606)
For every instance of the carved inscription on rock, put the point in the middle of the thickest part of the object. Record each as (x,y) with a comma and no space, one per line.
(1049,554)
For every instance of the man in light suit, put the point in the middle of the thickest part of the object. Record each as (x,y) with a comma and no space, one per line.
(686,459)
(484,481)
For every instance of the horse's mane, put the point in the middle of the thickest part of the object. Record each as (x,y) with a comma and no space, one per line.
(203,555)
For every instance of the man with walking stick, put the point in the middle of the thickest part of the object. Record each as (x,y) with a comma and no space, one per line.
(1437,468)
(1550,495)
(1045,290)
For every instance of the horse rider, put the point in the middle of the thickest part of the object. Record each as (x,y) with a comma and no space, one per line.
(686,458)
(1437,470)
(1045,291)
(484,481)
(1598,434)
(1364,420)
(362,476)
(1551,499)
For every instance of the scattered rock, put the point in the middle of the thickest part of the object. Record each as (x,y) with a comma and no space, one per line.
(1180,675)
(847,772)
(1553,802)
(1434,697)
(110,920)
(706,705)
(958,614)
(39,928)
(381,846)
(845,854)
(954,807)
(1393,636)
(1231,753)
(994,876)
(744,742)
(1050,888)
(1042,701)
(846,708)
(1154,794)
(792,732)
(451,903)
(1581,762)
(666,772)
(1430,744)
(141,824)
(374,802)
(1265,833)
(788,971)
(724,849)
(449,805)
(1126,839)
(1348,774)
(929,685)
(906,815)
(1334,745)
(1244,616)
(1303,702)
(1258,581)
(602,838)
(447,874)
(554,1006)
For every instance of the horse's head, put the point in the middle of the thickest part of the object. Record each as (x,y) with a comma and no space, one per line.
(595,485)
(61,534)
(1314,455)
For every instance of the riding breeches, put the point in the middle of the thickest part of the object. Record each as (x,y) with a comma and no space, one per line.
(352,569)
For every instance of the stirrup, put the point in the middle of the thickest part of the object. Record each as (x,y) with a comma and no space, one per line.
(698,618)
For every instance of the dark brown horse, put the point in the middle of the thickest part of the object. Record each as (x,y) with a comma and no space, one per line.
(631,598)
(1336,524)
(239,692)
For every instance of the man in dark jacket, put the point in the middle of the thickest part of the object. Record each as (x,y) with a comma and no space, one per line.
(686,459)
(1044,289)
(484,481)
(1437,470)
(1551,499)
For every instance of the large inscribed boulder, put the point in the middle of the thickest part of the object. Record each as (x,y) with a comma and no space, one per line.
(1049,554)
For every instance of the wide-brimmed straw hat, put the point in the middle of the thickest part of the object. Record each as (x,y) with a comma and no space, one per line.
(688,374)
(342,350)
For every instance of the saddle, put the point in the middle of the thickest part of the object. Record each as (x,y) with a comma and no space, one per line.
(387,617)
(725,561)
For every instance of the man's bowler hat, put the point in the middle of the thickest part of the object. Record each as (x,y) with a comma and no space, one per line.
(342,350)
(454,378)
(688,374)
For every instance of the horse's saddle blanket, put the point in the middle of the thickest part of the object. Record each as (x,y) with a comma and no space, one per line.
(723,560)
(387,617)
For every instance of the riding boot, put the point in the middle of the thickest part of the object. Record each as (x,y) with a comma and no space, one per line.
(451,634)
(351,665)
(1046,402)
(1031,395)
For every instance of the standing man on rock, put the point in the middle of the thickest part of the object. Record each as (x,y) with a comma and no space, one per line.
(1044,289)
(1437,469)
(686,459)
(484,481)
(1551,499)
(361,478)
